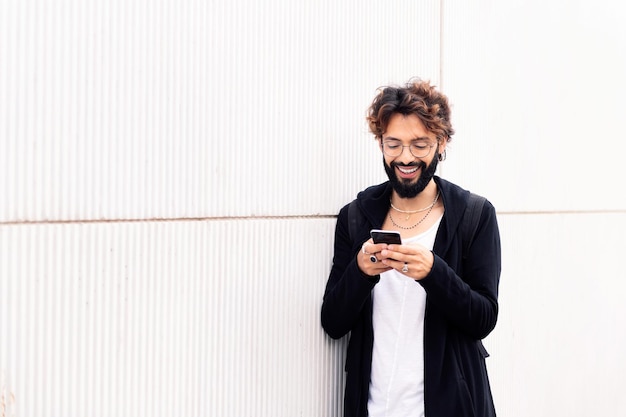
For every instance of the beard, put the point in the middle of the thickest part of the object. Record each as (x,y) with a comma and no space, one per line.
(405,188)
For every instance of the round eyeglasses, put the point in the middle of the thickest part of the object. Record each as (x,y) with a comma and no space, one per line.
(418,149)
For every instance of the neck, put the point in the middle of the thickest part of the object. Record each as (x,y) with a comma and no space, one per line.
(420,201)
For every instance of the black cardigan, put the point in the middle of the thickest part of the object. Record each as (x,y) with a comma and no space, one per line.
(461,306)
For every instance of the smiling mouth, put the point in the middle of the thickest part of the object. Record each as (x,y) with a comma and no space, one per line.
(407,170)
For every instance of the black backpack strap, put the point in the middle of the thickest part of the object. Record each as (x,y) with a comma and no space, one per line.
(470,220)
(354,219)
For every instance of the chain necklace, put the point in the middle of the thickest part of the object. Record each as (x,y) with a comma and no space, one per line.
(409,212)
(419,222)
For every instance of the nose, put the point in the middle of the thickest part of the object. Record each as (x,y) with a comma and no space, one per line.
(406,156)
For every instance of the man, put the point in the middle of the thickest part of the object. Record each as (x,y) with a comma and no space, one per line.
(416,311)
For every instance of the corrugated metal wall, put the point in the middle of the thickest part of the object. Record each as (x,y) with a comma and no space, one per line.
(159,318)
(170,170)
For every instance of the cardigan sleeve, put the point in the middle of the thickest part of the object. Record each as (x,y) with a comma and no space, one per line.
(348,289)
(470,302)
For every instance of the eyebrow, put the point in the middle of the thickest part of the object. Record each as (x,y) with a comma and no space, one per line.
(400,140)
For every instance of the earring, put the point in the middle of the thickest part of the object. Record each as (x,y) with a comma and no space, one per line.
(442,156)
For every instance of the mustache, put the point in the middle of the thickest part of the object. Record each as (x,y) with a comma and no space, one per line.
(416,164)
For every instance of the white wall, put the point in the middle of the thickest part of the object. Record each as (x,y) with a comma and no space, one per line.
(170,171)
(538,92)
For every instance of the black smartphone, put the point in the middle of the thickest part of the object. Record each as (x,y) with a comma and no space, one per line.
(386,236)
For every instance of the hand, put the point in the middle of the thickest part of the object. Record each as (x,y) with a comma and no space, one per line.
(414,261)
(368,253)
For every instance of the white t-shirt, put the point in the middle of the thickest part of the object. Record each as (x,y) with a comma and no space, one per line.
(397,377)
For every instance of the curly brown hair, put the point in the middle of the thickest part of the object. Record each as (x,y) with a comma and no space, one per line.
(416,97)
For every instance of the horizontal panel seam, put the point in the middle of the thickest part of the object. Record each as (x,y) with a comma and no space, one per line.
(558,212)
(165,219)
(293,217)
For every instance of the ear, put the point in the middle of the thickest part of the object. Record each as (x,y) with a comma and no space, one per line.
(380,143)
(442,145)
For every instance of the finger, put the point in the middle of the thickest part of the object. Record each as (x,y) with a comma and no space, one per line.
(364,249)
(377,268)
(394,255)
(376,247)
(405,253)
(410,248)
(369,247)
(392,263)
(367,262)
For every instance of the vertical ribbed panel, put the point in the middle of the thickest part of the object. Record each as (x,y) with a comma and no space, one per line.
(172,109)
(168,110)
(168,318)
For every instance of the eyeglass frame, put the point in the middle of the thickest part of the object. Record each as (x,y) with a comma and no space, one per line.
(430,147)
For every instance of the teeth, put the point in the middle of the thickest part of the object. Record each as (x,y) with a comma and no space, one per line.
(408,171)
